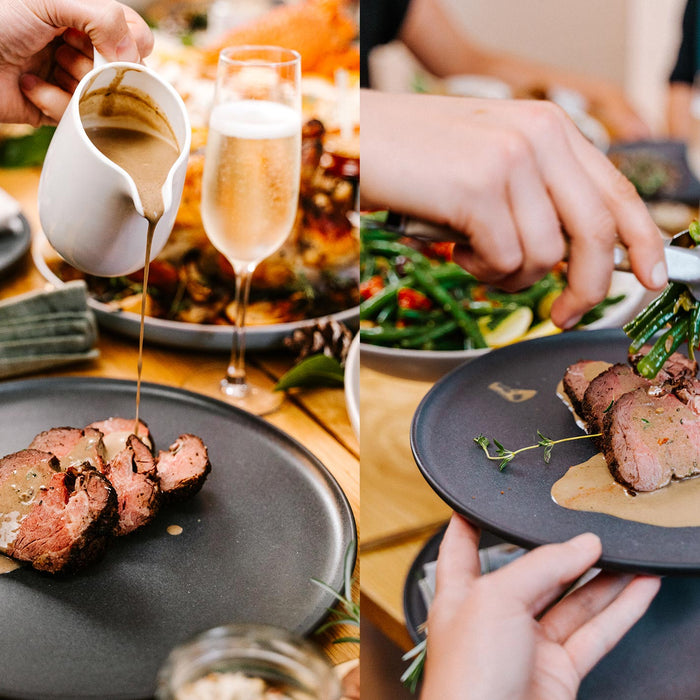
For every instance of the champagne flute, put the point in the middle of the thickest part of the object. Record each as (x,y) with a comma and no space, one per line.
(250,185)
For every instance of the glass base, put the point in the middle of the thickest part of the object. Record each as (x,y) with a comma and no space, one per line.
(253,399)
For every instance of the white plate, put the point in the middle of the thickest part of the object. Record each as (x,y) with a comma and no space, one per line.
(430,365)
(352,384)
(194,336)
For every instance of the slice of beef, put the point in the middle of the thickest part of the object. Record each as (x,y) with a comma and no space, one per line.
(57,520)
(676,369)
(119,429)
(132,472)
(650,440)
(72,446)
(577,378)
(688,391)
(607,388)
(183,469)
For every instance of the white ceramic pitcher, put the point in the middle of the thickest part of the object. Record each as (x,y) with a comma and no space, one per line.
(89,208)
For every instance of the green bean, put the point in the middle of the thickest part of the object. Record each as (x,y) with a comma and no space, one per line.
(530,296)
(694,330)
(429,334)
(668,296)
(387,312)
(432,288)
(394,248)
(420,316)
(387,335)
(369,307)
(653,327)
(664,347)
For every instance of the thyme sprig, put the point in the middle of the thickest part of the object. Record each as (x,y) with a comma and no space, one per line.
(505,456)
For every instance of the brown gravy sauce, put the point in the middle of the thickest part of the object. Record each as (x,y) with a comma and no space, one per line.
(18,491)
(127,127)
(7,564)
(85,450)
(590,487)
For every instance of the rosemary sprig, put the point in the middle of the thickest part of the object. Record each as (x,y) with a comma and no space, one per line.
(412,675)
(349,612)
(504,456)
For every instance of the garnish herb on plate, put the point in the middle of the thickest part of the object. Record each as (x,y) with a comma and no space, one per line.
(675,314)
(505,456)
(415,297)
(349,612)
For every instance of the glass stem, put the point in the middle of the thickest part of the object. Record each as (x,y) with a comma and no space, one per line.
(235,373)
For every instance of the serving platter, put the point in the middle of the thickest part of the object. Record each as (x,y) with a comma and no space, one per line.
(191,336)
(654,660)
(430,365)
(269,518)
(15,238)
(515,504)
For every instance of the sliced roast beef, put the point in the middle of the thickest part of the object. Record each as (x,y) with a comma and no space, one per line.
(688,391)
(676,369)
(132,472)
(72,446)
(577,378)
(183,468)
(116,430)
(650,440)
(607,388)
(57,520)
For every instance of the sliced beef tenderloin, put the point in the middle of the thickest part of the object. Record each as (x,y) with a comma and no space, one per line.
(57,520)
(675,370)
(72,446)
(650,440)
(607,388)
(688,391)
(116,430)
(577,378)
(132,472)
(183,468)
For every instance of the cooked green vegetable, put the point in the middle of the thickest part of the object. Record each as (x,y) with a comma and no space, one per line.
(414,297)
(678,312)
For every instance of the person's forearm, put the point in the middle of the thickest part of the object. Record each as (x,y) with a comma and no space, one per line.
(444,48)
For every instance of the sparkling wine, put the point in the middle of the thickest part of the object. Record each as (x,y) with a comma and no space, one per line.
(250,185)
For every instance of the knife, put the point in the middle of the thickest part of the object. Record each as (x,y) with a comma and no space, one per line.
(682,257)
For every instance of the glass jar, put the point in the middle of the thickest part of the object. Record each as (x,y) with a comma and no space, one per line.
(249,658)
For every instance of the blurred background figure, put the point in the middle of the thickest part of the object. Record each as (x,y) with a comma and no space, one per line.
(463,65)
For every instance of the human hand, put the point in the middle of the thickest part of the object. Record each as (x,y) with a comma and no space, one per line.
(46,47)
(486,638)
(512,176)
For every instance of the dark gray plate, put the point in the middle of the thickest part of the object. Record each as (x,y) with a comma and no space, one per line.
(269,518)
(654,660)
(515,504)
(15,238)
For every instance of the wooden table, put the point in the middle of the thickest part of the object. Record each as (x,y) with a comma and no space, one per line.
(399,510)
(316,418)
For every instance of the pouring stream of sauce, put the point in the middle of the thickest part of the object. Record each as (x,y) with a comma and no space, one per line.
(128,128)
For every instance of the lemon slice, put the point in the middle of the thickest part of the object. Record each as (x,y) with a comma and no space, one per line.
(544,307)
(513,327)
(542,329)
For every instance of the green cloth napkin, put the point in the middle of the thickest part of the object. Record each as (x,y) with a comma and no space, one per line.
(47,328)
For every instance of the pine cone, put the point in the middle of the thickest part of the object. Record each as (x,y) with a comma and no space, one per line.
(330,337)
